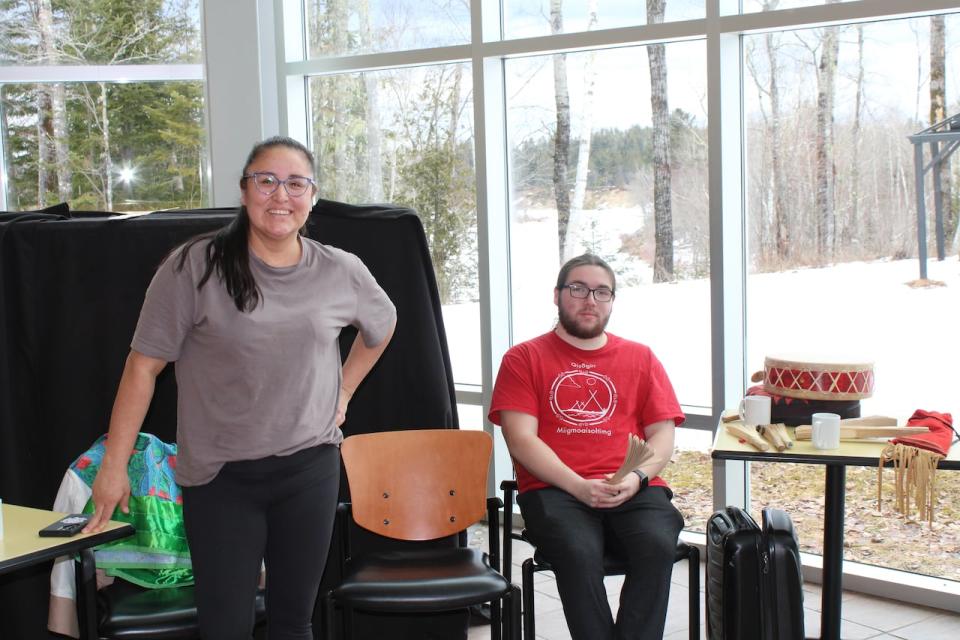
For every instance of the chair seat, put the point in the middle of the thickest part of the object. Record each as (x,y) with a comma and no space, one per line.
(613,564)
(423,580)
(129,611)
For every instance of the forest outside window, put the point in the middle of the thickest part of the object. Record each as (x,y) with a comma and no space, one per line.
(608,155)
(110,144)
(832,239)
(342,27)
(405,136)
(531,18)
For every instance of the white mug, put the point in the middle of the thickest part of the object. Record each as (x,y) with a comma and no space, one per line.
(825,433)
(755,410)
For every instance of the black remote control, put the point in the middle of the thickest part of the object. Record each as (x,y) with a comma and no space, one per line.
(66,526)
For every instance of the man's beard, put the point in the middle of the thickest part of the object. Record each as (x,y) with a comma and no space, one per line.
(569,324)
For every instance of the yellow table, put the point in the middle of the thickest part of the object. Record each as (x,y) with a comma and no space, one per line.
(836,461)
(21,546)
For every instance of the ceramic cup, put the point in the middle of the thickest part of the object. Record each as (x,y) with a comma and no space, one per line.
(755,410)
(826,430)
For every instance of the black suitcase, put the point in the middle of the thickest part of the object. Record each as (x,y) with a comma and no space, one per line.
(754,578)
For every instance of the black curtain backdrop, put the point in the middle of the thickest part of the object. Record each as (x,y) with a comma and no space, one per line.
(71,287)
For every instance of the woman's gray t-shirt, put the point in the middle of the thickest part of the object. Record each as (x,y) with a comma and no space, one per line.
(261,383)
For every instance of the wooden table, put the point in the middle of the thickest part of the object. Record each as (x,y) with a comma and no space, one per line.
(22,547)
(836,461)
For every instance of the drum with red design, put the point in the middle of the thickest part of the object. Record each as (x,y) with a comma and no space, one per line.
(821,380)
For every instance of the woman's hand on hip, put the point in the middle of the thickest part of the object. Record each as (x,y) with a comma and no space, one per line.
(342,402)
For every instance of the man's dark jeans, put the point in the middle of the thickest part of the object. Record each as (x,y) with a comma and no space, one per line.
(572,536)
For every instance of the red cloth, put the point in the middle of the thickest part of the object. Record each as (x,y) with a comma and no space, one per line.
(585,402)
(940,436)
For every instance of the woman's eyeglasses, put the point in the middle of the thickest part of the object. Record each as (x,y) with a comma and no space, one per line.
(267,183)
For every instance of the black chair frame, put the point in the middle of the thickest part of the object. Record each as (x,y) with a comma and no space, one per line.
(503,624)
(612,566)
(127,611)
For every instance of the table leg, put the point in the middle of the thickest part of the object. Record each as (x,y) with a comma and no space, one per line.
(830,603)
(86,595)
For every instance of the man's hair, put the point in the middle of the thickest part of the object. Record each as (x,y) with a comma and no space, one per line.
(586,260)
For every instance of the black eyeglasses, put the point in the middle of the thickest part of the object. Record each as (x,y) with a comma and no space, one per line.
(600,294)
(267,183)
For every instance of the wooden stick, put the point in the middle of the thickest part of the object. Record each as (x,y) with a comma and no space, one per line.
(805,431)
(869,421)
(783,433)
(772,436)
(638,452)
(749,436)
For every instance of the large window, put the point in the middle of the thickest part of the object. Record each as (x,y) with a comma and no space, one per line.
(832,235)
(339,27)
(406,136)
(101,105)
(831,204)
(744,165)
(630,127)
(529,18)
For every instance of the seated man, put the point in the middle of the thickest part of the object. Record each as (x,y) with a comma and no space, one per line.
(567,402)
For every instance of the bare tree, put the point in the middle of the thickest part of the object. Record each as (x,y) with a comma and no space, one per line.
(107,155)
(586,129)
(561,136)
(826,178)
(43,146)
(662,210)
(338,15)
(779,218)
(374,154)
(58,102)
(853,224)
(938,111)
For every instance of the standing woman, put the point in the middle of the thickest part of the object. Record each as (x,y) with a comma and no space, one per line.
(251,315)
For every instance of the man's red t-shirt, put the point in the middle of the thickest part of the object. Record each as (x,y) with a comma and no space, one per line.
(586,402)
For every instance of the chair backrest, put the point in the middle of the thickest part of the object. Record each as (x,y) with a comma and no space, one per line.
(421,484)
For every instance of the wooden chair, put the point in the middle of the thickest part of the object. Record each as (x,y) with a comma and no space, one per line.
(612,566)
(421,485)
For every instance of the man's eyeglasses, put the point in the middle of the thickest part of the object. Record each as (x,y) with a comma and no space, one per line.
(267,183)
(600,294)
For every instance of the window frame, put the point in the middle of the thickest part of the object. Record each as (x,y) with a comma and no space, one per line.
(66,74)
(272,76)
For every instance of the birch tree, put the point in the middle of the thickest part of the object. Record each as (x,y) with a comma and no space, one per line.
(561,135)
(779,217)
(825,183)
(338,15)
(585,133)
(374,154)
(662,209)
(938,110)
(854,223)
(57,101)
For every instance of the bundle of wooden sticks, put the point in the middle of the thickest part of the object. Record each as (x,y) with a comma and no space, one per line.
(765,436)
(638,452)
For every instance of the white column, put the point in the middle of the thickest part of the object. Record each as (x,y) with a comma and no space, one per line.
(727,250)
(239,67)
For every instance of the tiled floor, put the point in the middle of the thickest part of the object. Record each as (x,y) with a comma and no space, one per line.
(863,616)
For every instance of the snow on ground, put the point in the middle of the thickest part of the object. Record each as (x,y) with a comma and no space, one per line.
(860,310)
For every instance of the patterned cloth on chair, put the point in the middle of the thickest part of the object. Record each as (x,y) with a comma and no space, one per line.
(156,556)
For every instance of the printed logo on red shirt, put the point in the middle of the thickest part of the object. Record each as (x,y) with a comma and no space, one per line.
(583,397)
